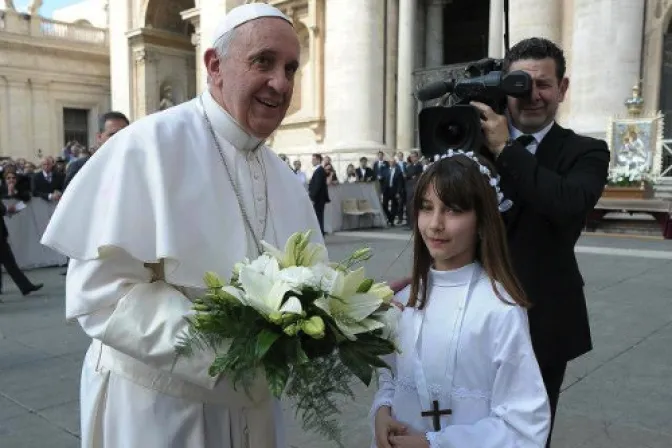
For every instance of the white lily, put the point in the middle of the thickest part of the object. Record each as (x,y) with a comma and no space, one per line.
(265,295)
(266,265)
(299,277)
(350,309)
(382,291)
(299,251)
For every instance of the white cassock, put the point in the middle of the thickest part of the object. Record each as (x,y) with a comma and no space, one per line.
(149,214)
(487,376)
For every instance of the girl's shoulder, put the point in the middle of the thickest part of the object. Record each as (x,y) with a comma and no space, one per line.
(492,296)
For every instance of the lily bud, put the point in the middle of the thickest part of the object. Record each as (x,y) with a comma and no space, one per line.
(314,327)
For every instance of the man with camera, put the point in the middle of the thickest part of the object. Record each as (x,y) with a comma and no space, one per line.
(554,178)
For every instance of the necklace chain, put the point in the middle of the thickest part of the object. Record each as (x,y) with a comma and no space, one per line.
(236,190)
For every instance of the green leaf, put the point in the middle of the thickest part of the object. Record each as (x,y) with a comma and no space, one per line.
(354,361)
(212,280)
(265,341)
(365,286)
(277,376)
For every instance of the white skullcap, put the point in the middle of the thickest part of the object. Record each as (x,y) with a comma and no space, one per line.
(244,13)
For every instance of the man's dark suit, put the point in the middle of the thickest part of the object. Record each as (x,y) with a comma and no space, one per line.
(72,170)
(393,192)
(7,258)
(319,193)
(368,175)
(43,188)
(553,191)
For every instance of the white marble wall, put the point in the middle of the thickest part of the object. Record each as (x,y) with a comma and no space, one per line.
(38,78)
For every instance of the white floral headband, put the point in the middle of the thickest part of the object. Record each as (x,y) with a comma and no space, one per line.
(504,204)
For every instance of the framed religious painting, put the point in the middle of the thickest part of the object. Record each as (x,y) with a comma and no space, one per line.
(636,143)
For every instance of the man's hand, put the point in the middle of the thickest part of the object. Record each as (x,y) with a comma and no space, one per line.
(386,427)
(495,127)
(414,441)
(11,208)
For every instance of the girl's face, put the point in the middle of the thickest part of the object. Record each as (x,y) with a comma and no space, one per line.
(450,235)
(10,179)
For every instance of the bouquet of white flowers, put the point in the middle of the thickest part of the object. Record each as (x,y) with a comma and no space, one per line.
(308,325)
(625,176)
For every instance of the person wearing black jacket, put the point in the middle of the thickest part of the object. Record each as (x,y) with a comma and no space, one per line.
(318,189)
(554,178)
(7,257)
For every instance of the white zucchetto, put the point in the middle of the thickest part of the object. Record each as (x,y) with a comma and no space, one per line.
(244,13)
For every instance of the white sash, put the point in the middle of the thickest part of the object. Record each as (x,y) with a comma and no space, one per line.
(426,396)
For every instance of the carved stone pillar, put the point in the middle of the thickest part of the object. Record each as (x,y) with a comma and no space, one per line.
(193,16)
(143,81)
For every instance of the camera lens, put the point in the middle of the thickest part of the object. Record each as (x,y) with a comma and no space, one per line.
(451,134)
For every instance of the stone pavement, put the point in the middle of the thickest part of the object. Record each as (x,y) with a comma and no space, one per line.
(618,396)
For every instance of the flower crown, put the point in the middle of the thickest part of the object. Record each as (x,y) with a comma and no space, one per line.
(503,204)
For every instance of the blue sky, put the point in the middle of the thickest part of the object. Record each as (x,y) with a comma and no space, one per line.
(47,7)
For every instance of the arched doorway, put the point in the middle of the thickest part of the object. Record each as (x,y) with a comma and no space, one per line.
(165,71)
(466,26)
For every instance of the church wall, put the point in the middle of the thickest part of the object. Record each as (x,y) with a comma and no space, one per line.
(41,75)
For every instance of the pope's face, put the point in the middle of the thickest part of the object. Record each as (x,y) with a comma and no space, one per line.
(254,81)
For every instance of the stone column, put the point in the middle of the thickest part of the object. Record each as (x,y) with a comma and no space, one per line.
(535,18)
(120,57)
(193,16)
(605,61)
(392,35)
(434,33)
(354,69)
(496,33)
(406,103)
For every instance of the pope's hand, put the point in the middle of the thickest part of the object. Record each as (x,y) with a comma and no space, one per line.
(412,441)
(387,427)
(495,127)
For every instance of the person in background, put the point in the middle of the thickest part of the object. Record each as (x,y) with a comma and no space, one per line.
(351,174)
(108,125)
(364,173)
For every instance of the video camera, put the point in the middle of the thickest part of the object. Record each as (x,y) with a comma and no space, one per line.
(458,125)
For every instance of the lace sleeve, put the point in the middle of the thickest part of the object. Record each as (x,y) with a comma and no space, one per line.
(386,386)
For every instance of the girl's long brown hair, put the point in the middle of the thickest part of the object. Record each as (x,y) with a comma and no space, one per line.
(460,185)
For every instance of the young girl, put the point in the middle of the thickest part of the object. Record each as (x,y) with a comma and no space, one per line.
(466,376)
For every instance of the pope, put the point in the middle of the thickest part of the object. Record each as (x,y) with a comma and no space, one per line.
(172,196)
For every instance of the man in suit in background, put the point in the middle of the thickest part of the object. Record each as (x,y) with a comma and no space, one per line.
(7,257)
(318,189)
(554,178)
(108,125)
(364,173)
(393,191)
(48,184)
